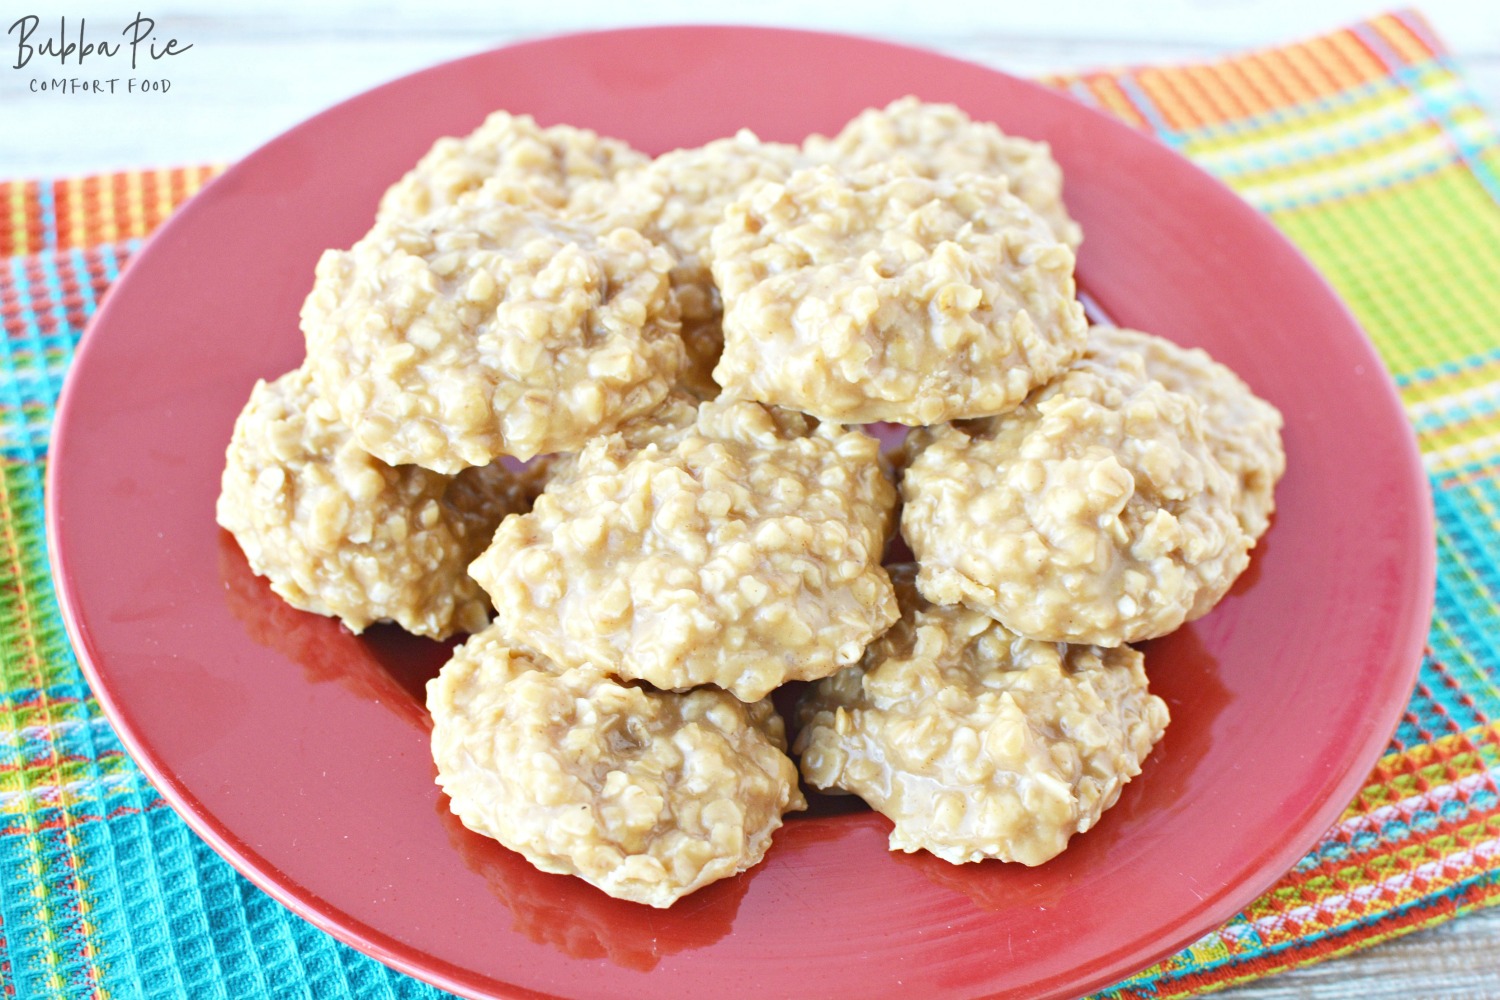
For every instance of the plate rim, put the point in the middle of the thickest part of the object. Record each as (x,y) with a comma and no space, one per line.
(363,937)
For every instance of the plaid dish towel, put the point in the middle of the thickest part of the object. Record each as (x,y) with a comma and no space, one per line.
(1364,146)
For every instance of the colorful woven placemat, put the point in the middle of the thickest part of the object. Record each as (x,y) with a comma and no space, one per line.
(1364,146)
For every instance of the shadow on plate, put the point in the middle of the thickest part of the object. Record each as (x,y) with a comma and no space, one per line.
(568,914)
(385,664)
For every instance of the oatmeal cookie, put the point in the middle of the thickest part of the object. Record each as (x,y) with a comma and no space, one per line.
(648,795)
(892,297)
(340,533)
(1242,430)
(664,427)
(1095,513)
(519,160)
(490,330)
(744,554)
(679,198)
(939,140)
(978,743)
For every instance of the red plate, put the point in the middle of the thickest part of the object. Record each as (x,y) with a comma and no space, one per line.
(300,752)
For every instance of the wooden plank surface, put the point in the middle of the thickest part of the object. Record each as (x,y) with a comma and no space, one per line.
(260,66)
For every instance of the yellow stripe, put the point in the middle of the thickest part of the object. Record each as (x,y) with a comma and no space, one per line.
(109,216)
(1463,453)
(164,204)
(135,204)
(1434,386)
(72,190)
(19,224)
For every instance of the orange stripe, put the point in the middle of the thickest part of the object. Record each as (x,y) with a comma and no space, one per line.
(1407,44)
(109,212)
(147,185)
(1198,87)
(1353,53)
(103,208)
(1246,87)
(1201,96)
(1219,104)
(85,212)
(125,210)
(1223,85)
(1180,110)
(1316,72)
(202,176)
(1325,63)
(1262,77)
(78,213)
(158,197)
(70,210)
(59,209)
(182,188)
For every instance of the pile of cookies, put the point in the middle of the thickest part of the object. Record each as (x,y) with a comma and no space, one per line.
(605,413)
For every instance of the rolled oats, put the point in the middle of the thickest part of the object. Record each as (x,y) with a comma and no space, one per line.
(341,533)
(978,743)
(744,554)
(704,340)
(939,140)
(664,426)
(1242,430)
(488,330)
(519,160)
(892,297)
(680,196)
(1095,513)
(648,795)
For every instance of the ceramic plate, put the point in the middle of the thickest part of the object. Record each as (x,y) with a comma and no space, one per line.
(300,751)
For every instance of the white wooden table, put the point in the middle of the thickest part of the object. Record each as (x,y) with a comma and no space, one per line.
(260,66)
